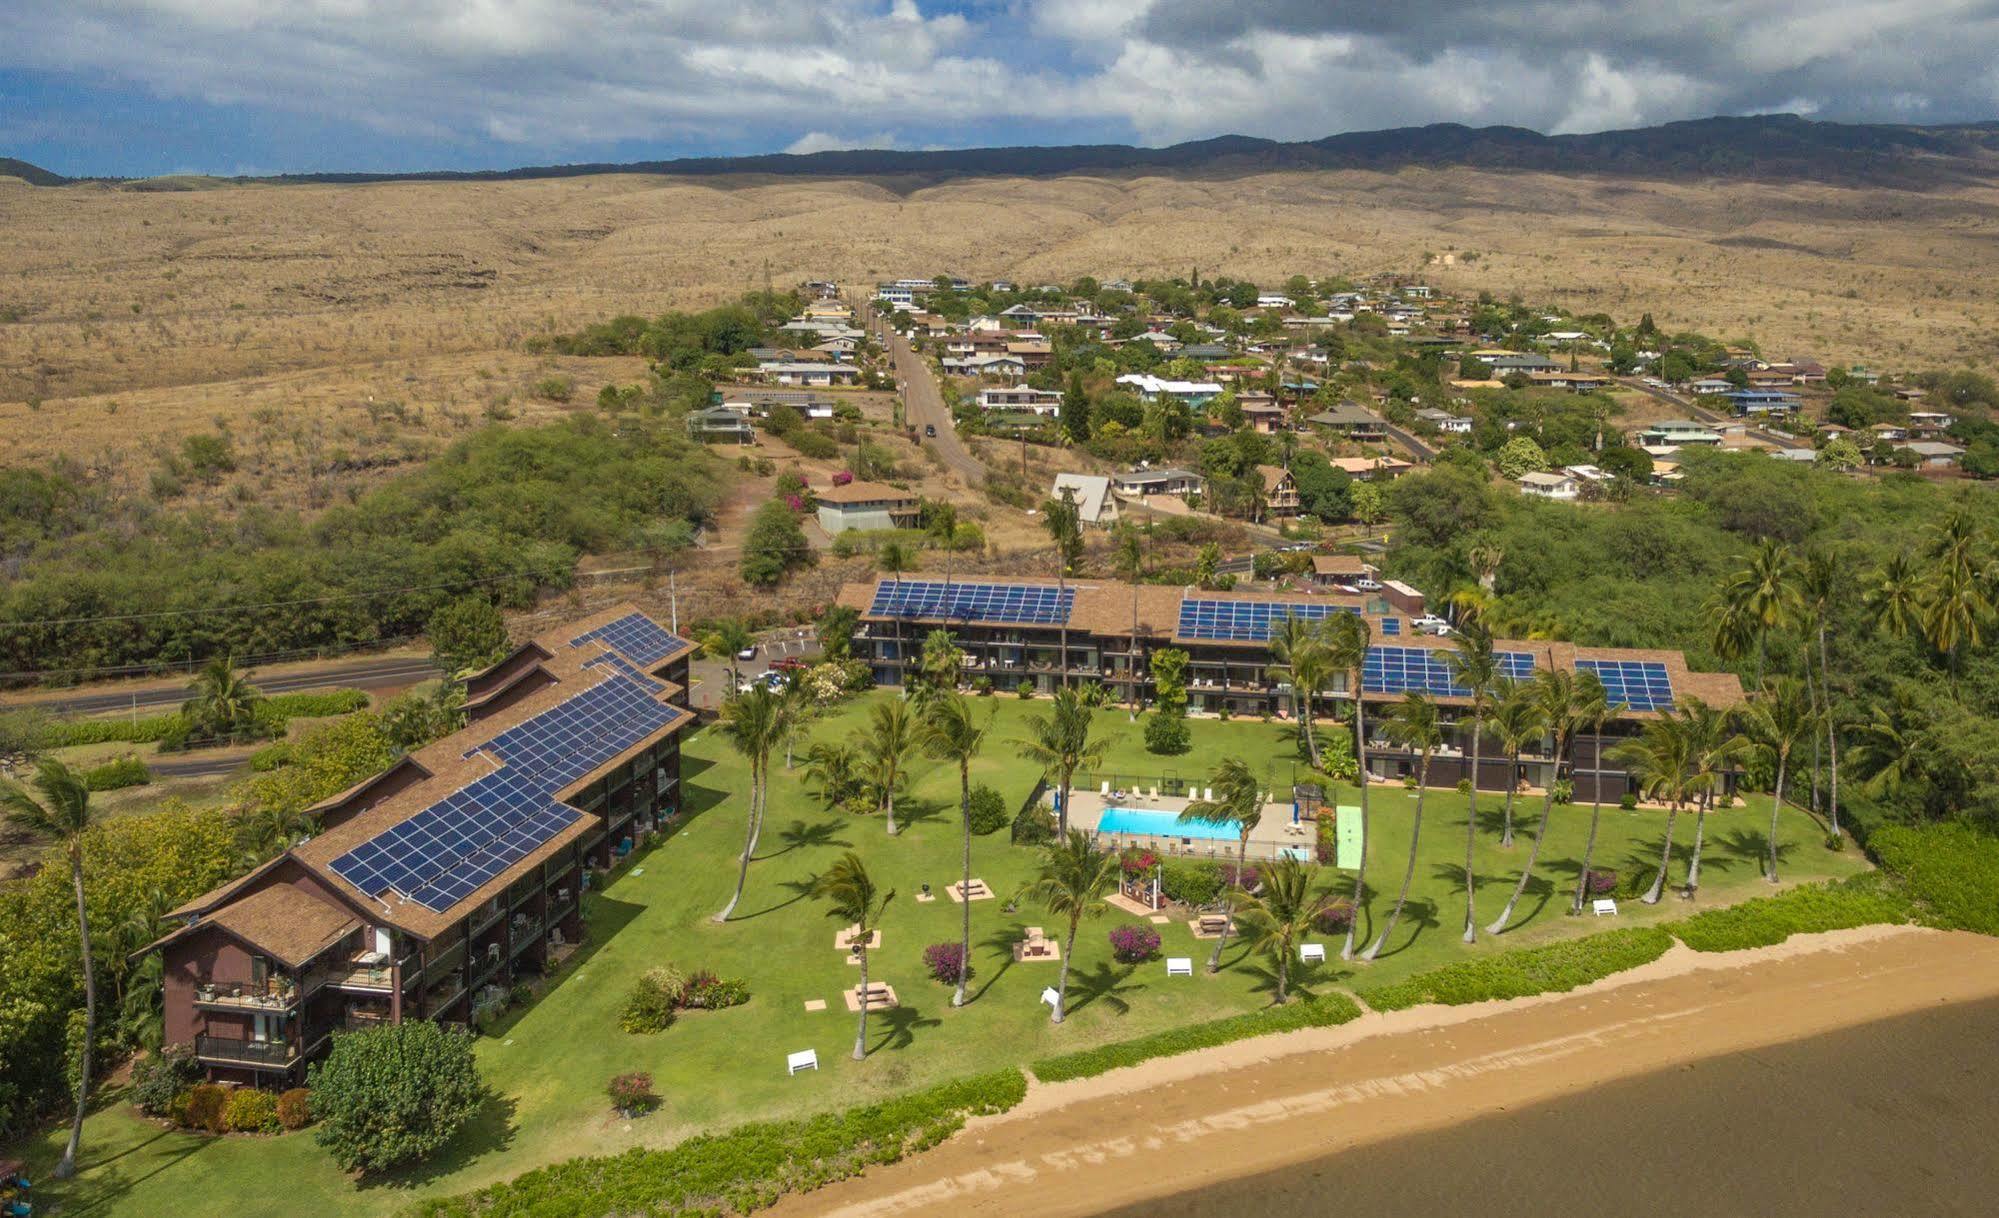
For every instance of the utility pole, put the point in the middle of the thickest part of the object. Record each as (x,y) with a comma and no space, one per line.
(673,598)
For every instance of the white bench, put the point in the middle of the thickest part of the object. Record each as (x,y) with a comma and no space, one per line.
(804,1059)
(1310,952)
(1605,907)
(1051,997)
(1179,966)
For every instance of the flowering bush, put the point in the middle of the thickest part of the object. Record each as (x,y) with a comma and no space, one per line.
(1334,918)
(842,478)
(1133,943)
(631,1094)
(1326,844)
(1602,881)
(943,961)
(1138,861)
(707,992)
(1247,879)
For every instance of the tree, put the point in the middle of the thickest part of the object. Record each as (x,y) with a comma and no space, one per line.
(1294,644)
(224,705)
(1348,640)
(836,632)
(1713,746)
(1059,742)
(851,896)
(395,1094)
(938,667)
(1777,718)
(60,809)
(1414,725)
(753,723)
(1238,803)
(1474,666)
(1822,577)
(1895,599)
(1839,454)
(729,639)
(1063,521)
(1128,553)
(952,732)
(1517,720)
(1166,732)
(1593,709)
(1555,691)
(773,547)
(1072,882)
(1281,913)
(1370,502)
(835,769)
(1659,758)
(884,750)
(466,634)
(1758,599)
(1521,455)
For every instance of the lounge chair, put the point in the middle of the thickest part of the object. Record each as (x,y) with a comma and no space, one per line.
(804,1059)
(1105,791)
(1208,795)
(1179,966)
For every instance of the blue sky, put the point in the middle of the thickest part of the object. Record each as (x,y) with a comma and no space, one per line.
(134,87)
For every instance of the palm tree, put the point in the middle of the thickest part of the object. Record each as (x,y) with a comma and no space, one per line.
(1758,599)
(1311,670)
(62,811)
(753,723)
(1413,724)
(1473,666)
(1293,640)
(1129,556)
(224,702)
(731,637)
(1659,759)
(1895,599)
(1518,721)
(1074,879)
(1886,744)
(939,666)
(800,709)
(884,749)
(1348,640)
(895,558)
(850,894)
(952,732)
(1555,691)
(1593,709)
(1820,583)
(1713,746)
(1063,521)
(1281,913)
(836,632)
(1779,717)
(1059,742)
(1238,803)
(1954,613)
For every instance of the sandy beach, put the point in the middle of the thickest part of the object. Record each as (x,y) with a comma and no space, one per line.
(1248,1121)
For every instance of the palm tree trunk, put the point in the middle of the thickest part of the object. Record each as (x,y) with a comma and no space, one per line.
(1061,584)
(1776,806)
(861,1030)
(1409,873)
(1062,981)
(1228,906)
(1471,839)
(67,1167)
(1498,926)
(1595,815)
(891,806)
(1062,813)
(1658,888)
(1831,737)
(1131,660)
(1283,970)
(1512,781)
(1694,863)
(1311,738)
(749,841)
(965,888)
(1360,872)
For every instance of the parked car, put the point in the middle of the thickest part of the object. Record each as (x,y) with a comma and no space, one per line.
(747,653)
(930,429)
(1430,623)
(788,664)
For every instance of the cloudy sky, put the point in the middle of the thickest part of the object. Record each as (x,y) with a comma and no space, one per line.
(259,86)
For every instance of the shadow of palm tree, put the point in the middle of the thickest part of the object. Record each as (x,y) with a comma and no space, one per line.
(799,889)
(999,946)
(1417,916)
(1754,844)
(898,1027)
(1102,983)
(1453,874)
(913,813)
(799,836)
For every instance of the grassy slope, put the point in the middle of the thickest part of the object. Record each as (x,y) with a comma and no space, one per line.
(549,1064)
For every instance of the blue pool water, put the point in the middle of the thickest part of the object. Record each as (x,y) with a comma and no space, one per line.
(1149,822)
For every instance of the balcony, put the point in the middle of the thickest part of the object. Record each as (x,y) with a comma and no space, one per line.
(267,1053)
(276,994)
(360,973)
(447,960)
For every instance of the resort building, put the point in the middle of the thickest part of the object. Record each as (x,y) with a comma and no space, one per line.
(430,887)
(1017,630)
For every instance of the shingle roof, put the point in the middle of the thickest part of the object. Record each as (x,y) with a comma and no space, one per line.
(286,923)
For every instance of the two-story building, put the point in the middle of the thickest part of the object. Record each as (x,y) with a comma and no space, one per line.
(866,505)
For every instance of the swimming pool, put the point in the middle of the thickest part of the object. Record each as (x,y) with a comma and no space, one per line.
(1148,822)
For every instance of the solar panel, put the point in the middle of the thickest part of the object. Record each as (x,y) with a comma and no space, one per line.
(1391,626)
(974,602)
(1247,621)
(635,636)
(1643,685)
(1399,670)
(451,848)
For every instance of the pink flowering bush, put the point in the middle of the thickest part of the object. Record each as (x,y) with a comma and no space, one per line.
(943,959)
(1132,943)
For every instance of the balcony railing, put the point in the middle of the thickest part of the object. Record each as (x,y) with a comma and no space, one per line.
(245,1052)
(446,961)
(273,995)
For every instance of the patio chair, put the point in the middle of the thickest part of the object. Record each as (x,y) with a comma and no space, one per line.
(1179,966)
(804,1059)
(1208,795)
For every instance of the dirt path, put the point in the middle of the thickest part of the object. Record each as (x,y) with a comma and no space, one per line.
(1183,1123)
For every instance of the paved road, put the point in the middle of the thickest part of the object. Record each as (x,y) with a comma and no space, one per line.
(923,402)
(197,767)
(375,675)
(1423,451)
(1702,414)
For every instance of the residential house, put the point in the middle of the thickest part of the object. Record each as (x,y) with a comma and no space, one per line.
(814,375)
(986,367)
(719,425)
(1678,433)
(1770,403)
(1280,491)
(1710,385)
(1021,397)
(1929,423)
(1142,484)
(1263,415)
(1352,421)
(1550,486)
(1095,505)
(1574,382)
(1347,572)
(1933,454)
(1445,421)
(1371,469)
(1195,393)
(866,505)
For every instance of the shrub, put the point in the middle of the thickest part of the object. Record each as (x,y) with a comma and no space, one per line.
(159,1077)
(1025,689)
(943,961)
(1335,918)
(1133,943)
(1325,1011)
(749,1167)
(252,1110)
(632,1094)
(1952,872)
(1191,883)
(988,810)
(295,1108)
(1137,861)
(707,992)
(1326,839)
(205,1104)
(1167,734)
(655,996)
(1628,801)
(1602,881)
(1862,900)
(1535,970)
(117,775)
(395,1094)
(179,1109)
(554,388)
(1247,878)
(1034,825)
(1565,791)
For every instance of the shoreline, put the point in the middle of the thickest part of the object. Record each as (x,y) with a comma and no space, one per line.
(1246,1109)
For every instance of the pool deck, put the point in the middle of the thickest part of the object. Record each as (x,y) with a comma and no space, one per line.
(1273,833)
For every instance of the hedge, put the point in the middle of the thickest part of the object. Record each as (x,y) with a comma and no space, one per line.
(117,775)
(1324,1011)
(274,713)
(1952,872)
(1861,900)
(1534,970)
(746,1168)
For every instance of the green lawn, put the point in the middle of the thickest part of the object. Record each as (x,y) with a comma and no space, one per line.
(548,1066)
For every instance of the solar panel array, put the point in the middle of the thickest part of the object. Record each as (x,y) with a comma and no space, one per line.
(1643,685)
(449,850)
(636,636)
(972,602)
(1247,621)
(1391,626)
(1398,670)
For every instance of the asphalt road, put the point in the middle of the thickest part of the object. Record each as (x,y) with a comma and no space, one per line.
(1702,414)
(197,767)
(923,403)
(373,675)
